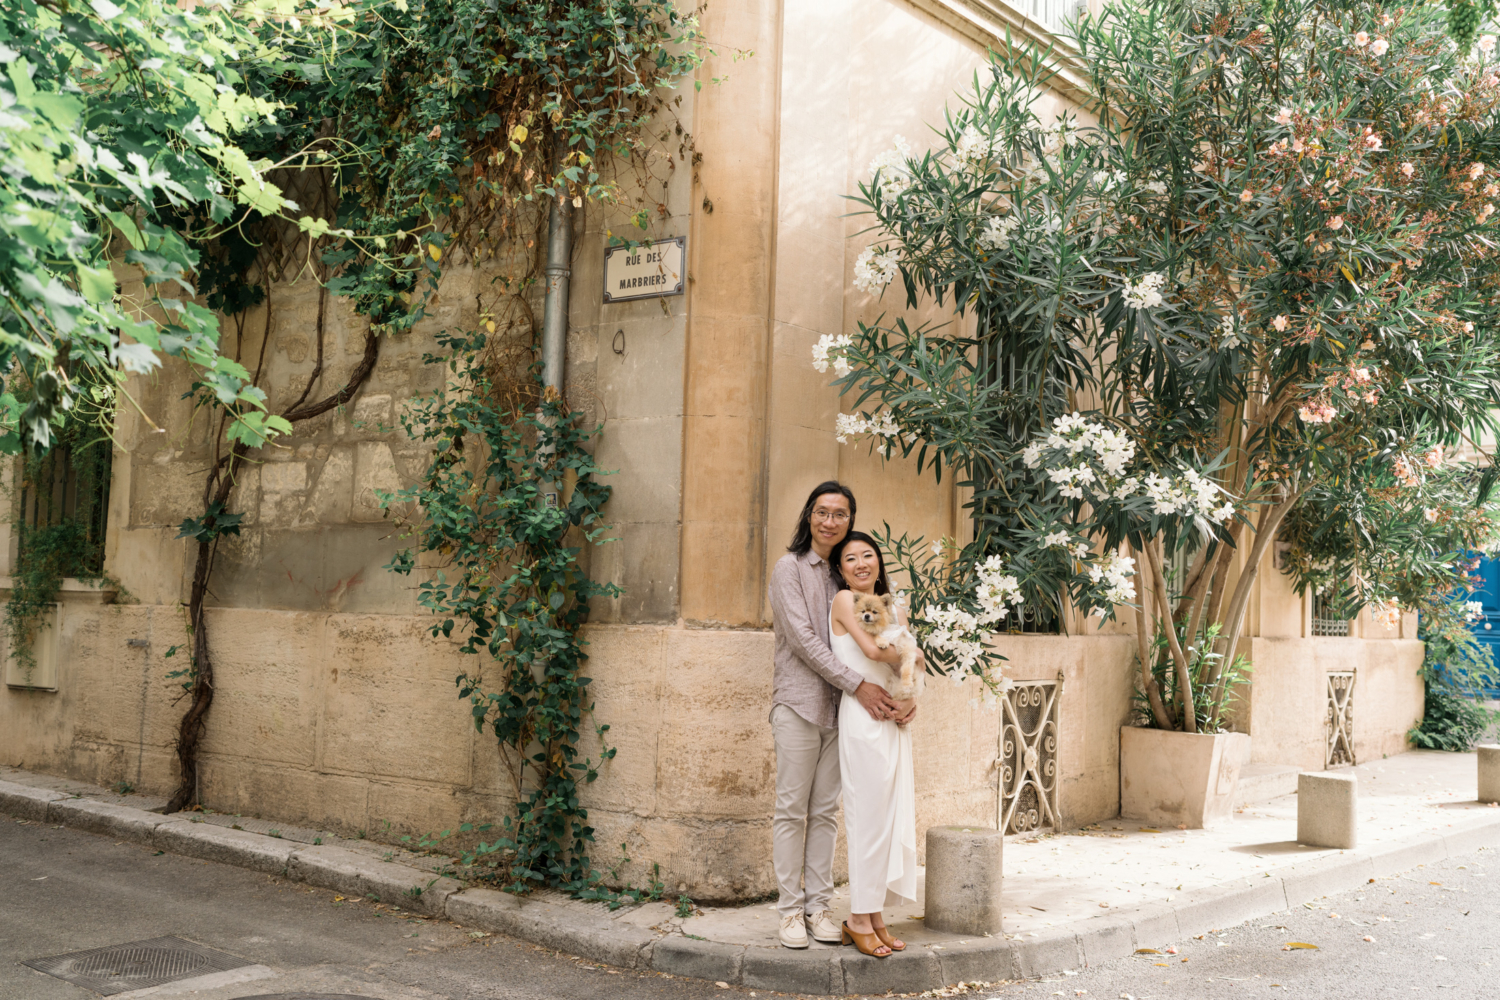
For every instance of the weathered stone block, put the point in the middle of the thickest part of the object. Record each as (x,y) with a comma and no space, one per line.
(102,817)
(815,970)
(680,956)
(963,879)
(283,477)
(374,469)
(914,970)
(987,961)
(1489,773)
(229,847)
(1326,809)
(361,875)
(25,802)
(567,929)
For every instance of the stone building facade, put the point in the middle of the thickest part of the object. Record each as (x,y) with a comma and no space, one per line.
(336,709)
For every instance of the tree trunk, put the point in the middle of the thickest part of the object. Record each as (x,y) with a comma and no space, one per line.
(1234,614)
(1184,675)
(1148,679)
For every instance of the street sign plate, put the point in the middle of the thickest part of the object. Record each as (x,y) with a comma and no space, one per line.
(649,271)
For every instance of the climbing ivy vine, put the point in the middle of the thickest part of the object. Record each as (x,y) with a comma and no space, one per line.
(421,135)
(509,503)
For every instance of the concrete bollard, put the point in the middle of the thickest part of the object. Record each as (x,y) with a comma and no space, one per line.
(1489,773)
(1326,806)
(963,879)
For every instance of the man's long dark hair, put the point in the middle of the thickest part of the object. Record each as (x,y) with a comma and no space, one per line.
(882,585)
(802,538)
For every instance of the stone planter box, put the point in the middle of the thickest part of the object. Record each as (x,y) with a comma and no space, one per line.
(1180,779)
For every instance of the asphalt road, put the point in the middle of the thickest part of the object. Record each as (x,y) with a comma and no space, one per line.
(1436,932)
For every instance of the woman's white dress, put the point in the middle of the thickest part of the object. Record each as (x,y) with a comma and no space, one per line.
(880,813)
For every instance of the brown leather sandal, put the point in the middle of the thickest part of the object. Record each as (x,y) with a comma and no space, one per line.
(885,938)
(868,944)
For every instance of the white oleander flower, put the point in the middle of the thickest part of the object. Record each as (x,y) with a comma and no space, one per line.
(830,343)
(1113,572)
(973,147)
(999,231)
(876,268)
(1056,539)
(847,425)
(891,170)
(1378,47)
(1145,292)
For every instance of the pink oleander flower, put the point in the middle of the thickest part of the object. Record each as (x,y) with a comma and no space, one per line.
(1283,117)
(1247,196)
(1361,38)
(1337,222)
(1476,170)
(1487,44)
(1378,47)
(1434,456)
(1280,323)
(1317,413)
(1408,169)
(1372,142)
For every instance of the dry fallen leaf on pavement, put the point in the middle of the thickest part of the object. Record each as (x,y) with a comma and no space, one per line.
(1147,951)
(722,986)
(1299,945)
(1368,938)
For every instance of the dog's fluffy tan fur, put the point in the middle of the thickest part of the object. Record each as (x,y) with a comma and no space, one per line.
(877,616)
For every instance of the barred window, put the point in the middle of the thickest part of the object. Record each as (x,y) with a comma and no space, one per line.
(1324,621)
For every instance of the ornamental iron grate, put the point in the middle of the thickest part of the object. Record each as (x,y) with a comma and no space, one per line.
(121,968)
(1323,622)
(1028,756)
(1340,719)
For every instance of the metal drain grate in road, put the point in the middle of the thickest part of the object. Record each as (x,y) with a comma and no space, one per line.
(123,967)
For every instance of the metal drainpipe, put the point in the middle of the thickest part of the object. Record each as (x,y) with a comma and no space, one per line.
(558,271)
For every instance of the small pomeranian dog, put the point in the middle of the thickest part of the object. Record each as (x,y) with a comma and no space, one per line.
(877,615)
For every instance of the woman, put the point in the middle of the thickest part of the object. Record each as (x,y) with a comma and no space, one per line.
(875,760)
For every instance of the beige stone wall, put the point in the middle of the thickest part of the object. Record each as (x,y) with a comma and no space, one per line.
(335,707)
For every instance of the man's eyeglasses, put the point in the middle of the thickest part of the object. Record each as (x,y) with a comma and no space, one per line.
(835,516)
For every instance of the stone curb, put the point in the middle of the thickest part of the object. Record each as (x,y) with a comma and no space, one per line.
(1088,942)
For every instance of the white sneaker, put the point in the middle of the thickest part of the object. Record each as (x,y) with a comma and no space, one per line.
(824,928)
(793,934)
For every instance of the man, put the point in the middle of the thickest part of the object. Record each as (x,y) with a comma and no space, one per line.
(805,694)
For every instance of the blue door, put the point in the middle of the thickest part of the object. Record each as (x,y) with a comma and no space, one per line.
(1487,628)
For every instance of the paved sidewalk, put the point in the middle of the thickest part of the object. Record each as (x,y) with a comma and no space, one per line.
(1073,899)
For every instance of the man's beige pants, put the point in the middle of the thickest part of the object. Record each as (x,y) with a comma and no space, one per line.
(804,827)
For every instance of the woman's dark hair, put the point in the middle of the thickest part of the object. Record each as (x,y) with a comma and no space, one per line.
(882,585)
(802,537)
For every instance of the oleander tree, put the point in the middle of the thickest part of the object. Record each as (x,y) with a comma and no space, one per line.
(1260,265)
